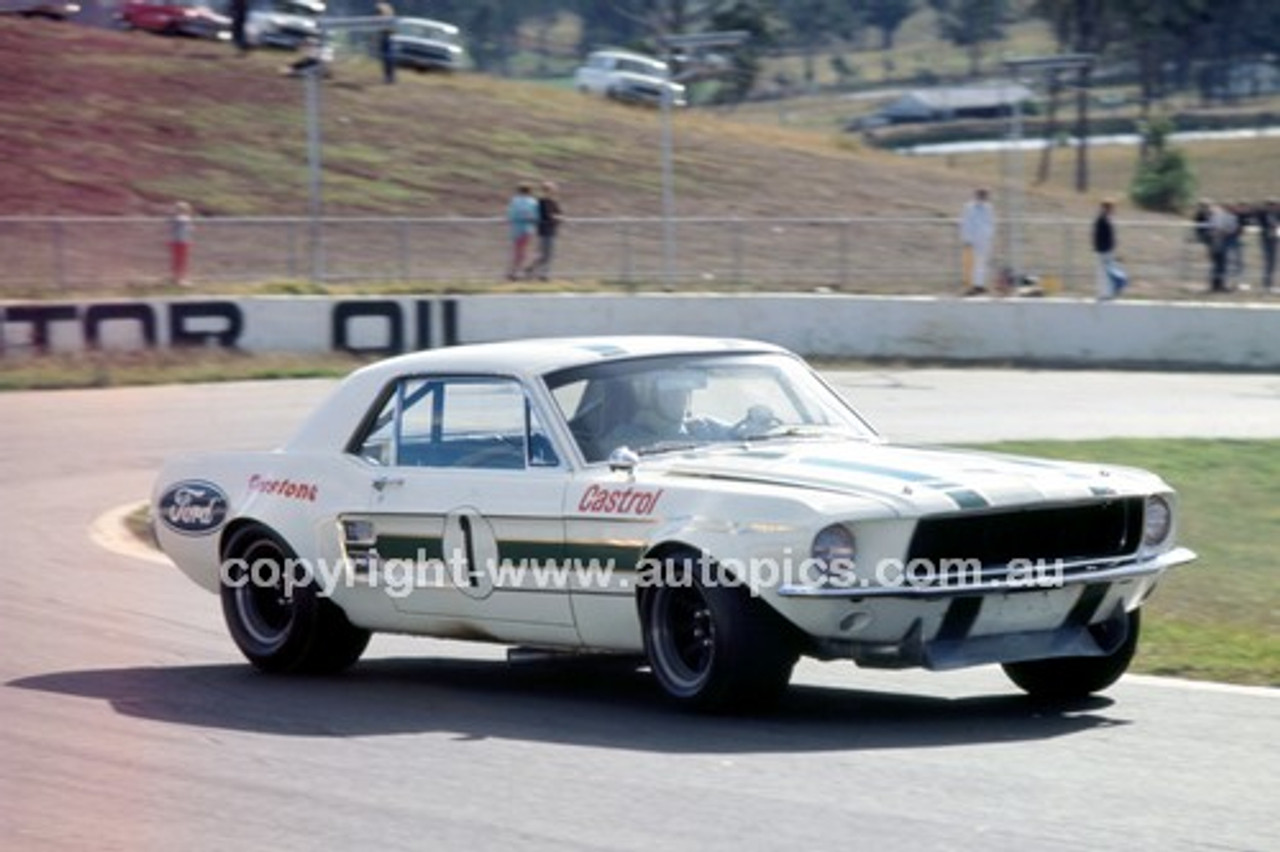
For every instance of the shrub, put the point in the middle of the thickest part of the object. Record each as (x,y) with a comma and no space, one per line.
(1164,181)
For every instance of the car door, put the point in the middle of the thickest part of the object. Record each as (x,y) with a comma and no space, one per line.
(464,516)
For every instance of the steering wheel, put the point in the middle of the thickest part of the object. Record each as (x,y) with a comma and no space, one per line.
(758,420)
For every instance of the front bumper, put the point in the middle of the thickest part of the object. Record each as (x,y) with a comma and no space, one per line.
(974,624)
(1066,574)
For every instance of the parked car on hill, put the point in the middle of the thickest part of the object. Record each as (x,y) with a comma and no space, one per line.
(708,505)
(285,24)
(628,77)
(56,9)
(427,45)
(193,18)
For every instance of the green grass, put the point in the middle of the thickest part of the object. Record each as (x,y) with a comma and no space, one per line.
(1218,618)
(116,369)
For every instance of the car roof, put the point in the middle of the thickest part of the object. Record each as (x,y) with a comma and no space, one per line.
(335,419)
(428,22)
(627,54)
(537,356)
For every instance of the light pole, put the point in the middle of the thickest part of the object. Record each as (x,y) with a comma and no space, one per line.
(315,206)
(697,41)
(1017,197)
(315,142)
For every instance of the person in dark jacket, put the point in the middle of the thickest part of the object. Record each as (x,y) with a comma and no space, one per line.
(386,42)
(1268,220)
(549,216)
(1104,246)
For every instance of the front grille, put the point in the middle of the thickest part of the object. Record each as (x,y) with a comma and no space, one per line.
(1102,530)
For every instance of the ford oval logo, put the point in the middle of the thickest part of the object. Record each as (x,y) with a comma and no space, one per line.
(193,507)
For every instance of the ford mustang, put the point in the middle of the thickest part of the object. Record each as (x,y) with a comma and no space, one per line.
(708,507)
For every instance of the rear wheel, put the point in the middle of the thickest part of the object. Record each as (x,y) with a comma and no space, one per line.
(712,646)
(1067,678)
(276,614)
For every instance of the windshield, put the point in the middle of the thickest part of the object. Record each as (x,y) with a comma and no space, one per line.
(653,405)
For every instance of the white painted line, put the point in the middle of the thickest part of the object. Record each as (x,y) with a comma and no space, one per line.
(110,533)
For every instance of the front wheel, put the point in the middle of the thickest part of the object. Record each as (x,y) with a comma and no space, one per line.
(1069,678)
(711,645)
(276,614)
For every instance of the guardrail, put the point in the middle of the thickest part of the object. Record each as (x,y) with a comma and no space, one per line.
(56,256)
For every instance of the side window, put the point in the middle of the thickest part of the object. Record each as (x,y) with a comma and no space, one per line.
(459,422)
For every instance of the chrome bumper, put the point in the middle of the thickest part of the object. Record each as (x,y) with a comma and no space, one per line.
(1072,574)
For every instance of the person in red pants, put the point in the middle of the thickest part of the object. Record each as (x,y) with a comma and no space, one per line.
(180,242)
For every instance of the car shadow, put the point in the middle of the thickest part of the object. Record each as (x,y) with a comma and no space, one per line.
(564,702)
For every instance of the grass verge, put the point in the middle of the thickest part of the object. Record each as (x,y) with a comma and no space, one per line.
(1218,618)
(117,369)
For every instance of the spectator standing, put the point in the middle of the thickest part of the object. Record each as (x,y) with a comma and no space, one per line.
(386,44)
(180,230)
(977,235)
(1222,224)
(239,10)
(549,216)
(1201,230)
(1269,225)
(522,222)
(1235,242)
(1110,279)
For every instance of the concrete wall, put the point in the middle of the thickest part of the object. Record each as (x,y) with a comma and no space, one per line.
(1028,331)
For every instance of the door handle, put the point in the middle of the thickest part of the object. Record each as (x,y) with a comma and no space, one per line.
(382,483)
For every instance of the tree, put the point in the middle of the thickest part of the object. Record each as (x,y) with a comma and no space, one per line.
(970,24)
(887,16)
(813,23)
(489,26)
(751,16)
(1080,26)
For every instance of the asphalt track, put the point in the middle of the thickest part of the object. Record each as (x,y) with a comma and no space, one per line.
(128,721)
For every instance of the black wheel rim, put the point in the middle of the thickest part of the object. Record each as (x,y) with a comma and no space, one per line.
(684,637)
(263,603)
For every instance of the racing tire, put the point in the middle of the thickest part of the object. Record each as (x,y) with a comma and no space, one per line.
(711,645)
(276,614)
(1071,678)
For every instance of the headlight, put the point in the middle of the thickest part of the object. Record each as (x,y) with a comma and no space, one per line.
(834,550)
(1157,522)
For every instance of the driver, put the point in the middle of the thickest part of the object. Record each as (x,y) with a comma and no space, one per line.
(662,412)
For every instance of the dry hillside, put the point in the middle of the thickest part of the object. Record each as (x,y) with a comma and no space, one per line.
(101,122)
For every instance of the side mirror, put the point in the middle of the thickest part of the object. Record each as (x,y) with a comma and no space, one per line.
(624,459)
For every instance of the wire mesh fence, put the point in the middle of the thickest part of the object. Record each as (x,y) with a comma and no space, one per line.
(44,257)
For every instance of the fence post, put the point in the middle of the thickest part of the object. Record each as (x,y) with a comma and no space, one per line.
(1068,258)
(59,254)
(846,242)
(736,251)
(627,268)
(405,248)
(293,227)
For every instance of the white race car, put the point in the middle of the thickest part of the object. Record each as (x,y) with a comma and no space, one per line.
(710,505)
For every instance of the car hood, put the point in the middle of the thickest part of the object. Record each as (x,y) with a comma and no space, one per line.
(910,480)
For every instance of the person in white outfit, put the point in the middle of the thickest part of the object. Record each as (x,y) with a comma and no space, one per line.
(977,234)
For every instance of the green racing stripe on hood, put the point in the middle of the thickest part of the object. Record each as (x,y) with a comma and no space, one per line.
(965,498)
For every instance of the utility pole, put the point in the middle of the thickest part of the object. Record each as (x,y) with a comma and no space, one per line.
(315,206)
(1017,189)
(315,140)
(697,41)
